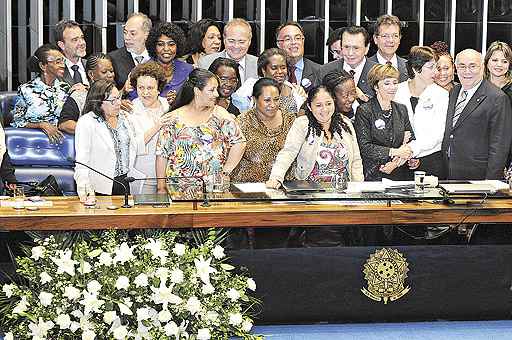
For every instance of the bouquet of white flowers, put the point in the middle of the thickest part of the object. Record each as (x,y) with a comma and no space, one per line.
(115,287)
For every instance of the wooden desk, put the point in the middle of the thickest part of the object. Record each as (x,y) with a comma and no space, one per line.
(68,214)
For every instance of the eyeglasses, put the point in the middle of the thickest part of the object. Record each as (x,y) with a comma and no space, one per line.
(470,67)
(288,40)
(112,100)
(389,36)
(162,43)
(58,60)
(235,42)
(335,53)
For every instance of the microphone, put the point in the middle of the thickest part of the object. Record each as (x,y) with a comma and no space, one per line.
(126,204)
(200,178)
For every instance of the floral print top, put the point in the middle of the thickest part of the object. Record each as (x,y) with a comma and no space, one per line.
(332,158)
(37,102)
(198,150)
(121,139)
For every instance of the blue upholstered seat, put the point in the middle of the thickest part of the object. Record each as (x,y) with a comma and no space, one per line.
(7,100)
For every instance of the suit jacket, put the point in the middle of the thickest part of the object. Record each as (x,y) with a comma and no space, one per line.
(310,70)
(402,68)
(251,67)
(478,145)
(68,78)
(375,140)
(337,65)
(123,64)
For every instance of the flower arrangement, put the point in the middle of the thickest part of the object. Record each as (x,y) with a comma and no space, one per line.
(116,287)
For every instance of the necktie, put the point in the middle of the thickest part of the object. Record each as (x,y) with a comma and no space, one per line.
(389,63)
(352,73)
(77,78)
(291,74)
(459,107)
(139,59)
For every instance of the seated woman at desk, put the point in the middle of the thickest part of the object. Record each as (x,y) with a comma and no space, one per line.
(105,141)
(39,102)
(201,138)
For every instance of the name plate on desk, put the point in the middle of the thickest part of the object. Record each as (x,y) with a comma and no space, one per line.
(151,199)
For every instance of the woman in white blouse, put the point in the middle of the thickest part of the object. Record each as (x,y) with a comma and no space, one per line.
(148,117)
(427,104)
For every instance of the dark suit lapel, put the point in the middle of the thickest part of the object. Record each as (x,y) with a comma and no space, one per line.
(454,94)
(67,76)
(475,101)
(363,83)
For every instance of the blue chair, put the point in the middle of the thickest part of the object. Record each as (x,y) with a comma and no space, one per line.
(7,101)
(34,158)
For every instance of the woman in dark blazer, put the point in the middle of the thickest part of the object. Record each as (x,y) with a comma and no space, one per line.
(383,130)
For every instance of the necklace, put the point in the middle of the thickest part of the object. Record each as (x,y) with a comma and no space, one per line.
(387,113)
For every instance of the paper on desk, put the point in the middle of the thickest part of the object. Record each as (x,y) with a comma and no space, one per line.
(365,187)
(390,183)
(9,203)
(251,187)
(496,184)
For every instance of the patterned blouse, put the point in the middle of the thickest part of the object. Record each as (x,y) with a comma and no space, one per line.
(196,150)
(263,145)
(121,140)
(332,158)
(37,102)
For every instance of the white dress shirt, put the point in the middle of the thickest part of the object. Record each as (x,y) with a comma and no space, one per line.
(383,61)
(358,70)
(144,55)
(81,69)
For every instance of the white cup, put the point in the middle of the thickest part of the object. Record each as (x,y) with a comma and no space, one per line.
(419,181)
(19,198)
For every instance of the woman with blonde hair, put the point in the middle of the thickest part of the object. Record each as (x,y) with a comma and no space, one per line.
(497,64)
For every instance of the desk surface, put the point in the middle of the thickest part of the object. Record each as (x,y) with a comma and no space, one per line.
(68,213)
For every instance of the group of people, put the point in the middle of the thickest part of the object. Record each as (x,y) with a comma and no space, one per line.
(170,105)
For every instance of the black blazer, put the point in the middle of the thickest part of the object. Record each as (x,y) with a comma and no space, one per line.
(402,68)
(477,146)
(309,72)
(123,64)
(337,65)
(68,78)
(374,143)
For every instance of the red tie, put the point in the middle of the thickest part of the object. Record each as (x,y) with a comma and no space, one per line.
(291,74)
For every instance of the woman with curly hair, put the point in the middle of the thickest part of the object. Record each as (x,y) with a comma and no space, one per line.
(445,74)
(205,38)
(166,42)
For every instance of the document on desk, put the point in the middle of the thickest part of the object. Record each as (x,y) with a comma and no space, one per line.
(496,184)
(354,187)
(251,187)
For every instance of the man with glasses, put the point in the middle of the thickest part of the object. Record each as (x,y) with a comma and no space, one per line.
(70,39)
(478,129)
(387,37)
(124,59)
(301,70)
(237,39)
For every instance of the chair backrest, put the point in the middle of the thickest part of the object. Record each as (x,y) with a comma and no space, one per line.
(7,101)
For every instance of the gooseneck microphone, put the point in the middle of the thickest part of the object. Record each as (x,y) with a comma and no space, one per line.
(197,178)
(126,204)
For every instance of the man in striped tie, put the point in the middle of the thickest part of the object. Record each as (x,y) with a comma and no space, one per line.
(478,130)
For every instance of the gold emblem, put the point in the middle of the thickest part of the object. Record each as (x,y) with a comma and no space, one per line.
(385,271)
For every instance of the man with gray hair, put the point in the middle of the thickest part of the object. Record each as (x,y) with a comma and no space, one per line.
(237,39)
(124,59)
(478,129)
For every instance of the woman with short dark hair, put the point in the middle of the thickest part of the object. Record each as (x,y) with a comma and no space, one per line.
(342,84)
(205,38)
(229,81)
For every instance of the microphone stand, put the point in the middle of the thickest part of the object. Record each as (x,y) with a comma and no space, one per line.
(126,204)
(200,178)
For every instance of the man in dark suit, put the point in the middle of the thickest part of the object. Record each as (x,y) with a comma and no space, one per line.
(387,37)
(134,52)
(355,42)
(301,70)
(70,39)
(478,130)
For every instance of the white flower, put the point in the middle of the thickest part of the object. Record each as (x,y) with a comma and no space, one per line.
(8,289)
(235,319)
(218,252)
(172,329)
(124,253)
(193,305)
(164,315)
(44,277)
(203,269)
(88,335)
(124,309)
(208,289)
(162,273)
(203,334)
(93,287)
(212,316)
(84,268)
(45,298)
(91,303)
(251,284)
(64,263)
(143,314)
(141,280)
(8,336)
(233,294)
(179,249)
(21,307)
(105,259)
(74,327)
(155,246)
(63,320)
(37,253)
(176,276)
(109,317)
(71,293)
(120,332)
(247,325)
(39,330)
(164,295)
(122,282)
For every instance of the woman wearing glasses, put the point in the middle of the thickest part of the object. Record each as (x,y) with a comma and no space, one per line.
(39,102)
(427,104)
(105,141)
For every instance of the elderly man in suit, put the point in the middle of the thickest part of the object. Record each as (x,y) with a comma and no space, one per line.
(70,39)
(478,128)
(387,37)
(124,59)
(237,39)
(301,70)
(355,43)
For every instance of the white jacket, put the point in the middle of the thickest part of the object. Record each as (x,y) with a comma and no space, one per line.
(94,147)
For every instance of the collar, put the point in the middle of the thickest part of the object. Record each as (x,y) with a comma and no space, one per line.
(79,63)
(144,54)
(358,70)
(472,90)
(382,60)
(299,65)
